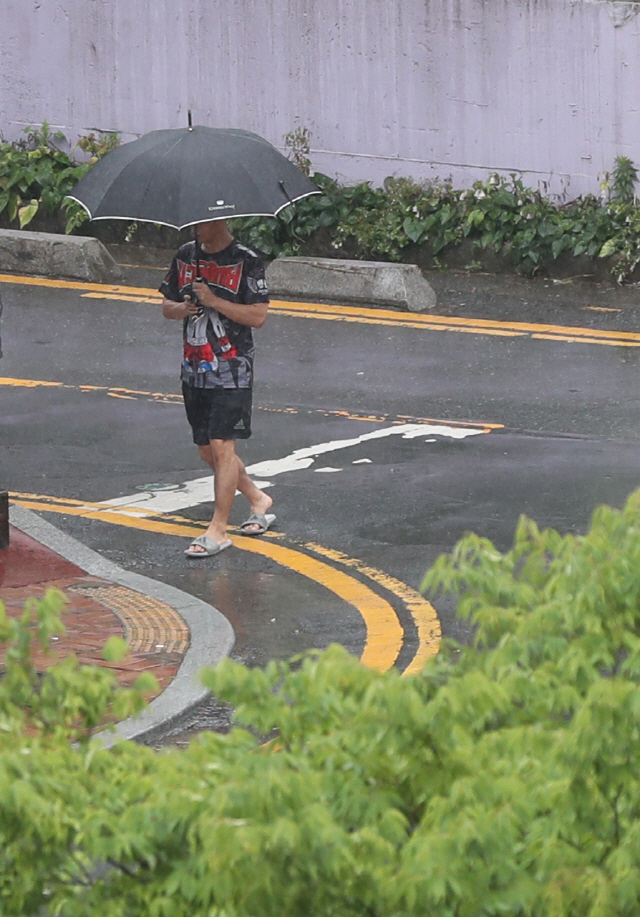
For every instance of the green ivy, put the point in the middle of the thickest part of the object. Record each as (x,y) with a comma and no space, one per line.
(35,175)
(500,214)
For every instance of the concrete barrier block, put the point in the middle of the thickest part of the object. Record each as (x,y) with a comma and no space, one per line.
(54,255)
(373,283)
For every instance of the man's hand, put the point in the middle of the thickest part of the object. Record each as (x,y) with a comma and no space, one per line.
(179,310)
(204,294)
(253,315)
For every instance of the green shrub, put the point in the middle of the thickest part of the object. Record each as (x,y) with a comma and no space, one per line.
(35,175)
(503,780)
(623,181)
(500,214)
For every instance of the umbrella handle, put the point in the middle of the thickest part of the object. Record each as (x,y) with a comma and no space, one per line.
(195,230)
(284,191)
(197,278)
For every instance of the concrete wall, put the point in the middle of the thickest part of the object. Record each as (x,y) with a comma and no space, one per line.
(429,88)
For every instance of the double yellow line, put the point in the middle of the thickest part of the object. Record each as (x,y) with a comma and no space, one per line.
(385,317)
(429,322)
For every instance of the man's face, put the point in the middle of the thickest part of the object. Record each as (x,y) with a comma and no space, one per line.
(210,232)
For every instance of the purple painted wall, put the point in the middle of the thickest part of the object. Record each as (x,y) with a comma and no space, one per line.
(428,88)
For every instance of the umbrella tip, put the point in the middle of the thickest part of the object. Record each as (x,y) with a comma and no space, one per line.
(189,119)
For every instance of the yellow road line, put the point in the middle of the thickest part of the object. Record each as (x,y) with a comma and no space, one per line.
(56,284)
(95,510)
(163,398)
(123,297)
(461,325)
(384,633)
(423,613)
(600,309)
(160,397)
(574,339)
(32,383)
(388,317)
(381,418)
(419,319)
(90,509)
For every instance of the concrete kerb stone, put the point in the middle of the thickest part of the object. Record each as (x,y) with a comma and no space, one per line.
(375,283)
(212,636)
(54,255)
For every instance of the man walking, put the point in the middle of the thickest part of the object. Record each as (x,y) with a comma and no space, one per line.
(217,288)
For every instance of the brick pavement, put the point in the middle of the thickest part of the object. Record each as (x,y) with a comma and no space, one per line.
(96,609)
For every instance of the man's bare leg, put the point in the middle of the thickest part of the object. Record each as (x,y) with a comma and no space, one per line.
(259,501)
(230,475)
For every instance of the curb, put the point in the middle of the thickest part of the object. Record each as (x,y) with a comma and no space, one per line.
(376,283)
(54,255)
(371,283)
(212,636)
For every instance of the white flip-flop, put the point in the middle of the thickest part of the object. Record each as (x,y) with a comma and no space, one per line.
(209,547)
(263,520)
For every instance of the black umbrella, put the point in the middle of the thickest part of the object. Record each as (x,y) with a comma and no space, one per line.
(191,175)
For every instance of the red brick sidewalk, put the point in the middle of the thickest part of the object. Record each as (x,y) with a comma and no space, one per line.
(97,609)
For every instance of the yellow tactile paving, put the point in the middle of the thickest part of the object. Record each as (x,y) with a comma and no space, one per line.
(149,624)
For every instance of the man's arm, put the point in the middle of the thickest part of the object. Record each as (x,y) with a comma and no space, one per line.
(253,315)
(178,310)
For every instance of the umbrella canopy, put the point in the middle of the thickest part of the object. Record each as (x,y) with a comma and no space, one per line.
(191,175)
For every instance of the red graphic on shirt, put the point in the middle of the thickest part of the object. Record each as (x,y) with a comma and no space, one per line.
(229,350)
(227,276)
(200,353)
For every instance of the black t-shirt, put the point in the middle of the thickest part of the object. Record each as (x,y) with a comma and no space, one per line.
(218,352)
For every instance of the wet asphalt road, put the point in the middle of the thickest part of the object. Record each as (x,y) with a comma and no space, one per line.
(568,442)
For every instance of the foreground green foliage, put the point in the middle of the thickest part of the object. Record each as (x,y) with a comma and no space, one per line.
(503,780)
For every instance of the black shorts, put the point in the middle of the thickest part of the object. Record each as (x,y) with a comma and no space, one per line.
(218,413)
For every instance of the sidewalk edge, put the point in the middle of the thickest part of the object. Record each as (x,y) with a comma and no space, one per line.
(212,637)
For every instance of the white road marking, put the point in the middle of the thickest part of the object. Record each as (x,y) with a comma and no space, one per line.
(200,490)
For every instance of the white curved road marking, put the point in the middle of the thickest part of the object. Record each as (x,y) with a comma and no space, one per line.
(200,490)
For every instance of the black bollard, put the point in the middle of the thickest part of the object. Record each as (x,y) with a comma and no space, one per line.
(4,519)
